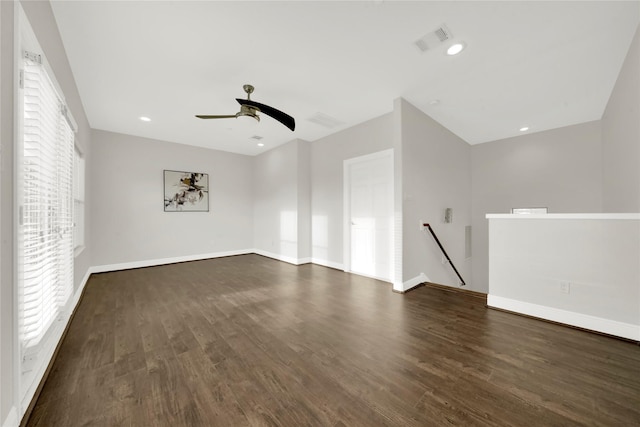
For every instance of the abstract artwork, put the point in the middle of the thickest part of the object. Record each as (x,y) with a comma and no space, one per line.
(186,191)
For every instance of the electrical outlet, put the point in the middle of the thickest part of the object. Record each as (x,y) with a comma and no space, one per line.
(565,287)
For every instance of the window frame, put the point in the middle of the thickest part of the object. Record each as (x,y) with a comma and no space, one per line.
(31,363)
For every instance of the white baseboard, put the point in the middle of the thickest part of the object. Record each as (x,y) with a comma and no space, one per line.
(370,276)
(163,261)
(585,321)
(172,260)
(411,283)
(83,283)
(325,263)
(284,258)
(12,418)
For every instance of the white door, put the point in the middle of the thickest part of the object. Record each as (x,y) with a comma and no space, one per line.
(369,215)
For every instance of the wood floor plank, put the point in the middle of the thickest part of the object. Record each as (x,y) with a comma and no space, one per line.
(249,341)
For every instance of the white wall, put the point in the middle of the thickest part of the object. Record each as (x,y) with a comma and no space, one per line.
(621,138)
(129,223)
(560,169)
(327,157)
(435,175)
(281,206)
(597,255)
(45,28)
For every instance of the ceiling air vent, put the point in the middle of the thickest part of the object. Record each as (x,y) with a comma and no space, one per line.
(325,120)
(434,38)
(443,34)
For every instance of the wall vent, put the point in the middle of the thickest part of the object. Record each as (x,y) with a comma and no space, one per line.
(434,38)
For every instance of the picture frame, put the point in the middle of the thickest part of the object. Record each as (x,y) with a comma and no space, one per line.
(186,191)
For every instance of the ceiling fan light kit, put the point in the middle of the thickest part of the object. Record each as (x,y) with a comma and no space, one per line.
(249,108)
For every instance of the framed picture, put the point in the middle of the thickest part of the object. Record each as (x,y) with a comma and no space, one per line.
(186,191)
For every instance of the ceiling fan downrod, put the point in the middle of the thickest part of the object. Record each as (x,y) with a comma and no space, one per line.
(249,89)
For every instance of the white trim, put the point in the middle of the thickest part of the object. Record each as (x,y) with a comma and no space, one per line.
(325,263)
(411,283)
(12,418)
(372,156)
(632,216)
(83,283)
(162,261)
(284,258)
(346,205)
(19,43)
(398,273)
(346,215)
(599,324)
(382,279)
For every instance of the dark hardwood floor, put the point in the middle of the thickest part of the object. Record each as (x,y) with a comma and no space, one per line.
(247,340)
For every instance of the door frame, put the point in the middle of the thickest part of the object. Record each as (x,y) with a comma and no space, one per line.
(346,219)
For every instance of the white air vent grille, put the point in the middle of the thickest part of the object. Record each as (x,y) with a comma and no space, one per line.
(434,38)
(325,120)
(442,33)
(422,45)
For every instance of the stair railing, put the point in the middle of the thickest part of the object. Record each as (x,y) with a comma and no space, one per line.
(427,226)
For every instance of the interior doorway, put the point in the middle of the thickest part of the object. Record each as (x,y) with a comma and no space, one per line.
(368,215)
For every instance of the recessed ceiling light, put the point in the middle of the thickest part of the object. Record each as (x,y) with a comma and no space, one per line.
(260,144)
(455,49)
(524,129)
(145,119)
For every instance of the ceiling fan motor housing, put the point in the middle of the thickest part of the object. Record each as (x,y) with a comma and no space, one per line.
(251,109)
(248,111)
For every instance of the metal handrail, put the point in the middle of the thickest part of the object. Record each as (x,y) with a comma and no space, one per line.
(462,283)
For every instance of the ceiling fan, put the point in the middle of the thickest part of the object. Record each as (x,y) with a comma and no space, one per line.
(251,108)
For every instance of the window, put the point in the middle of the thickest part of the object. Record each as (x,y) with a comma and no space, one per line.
(46,235)
(44,188)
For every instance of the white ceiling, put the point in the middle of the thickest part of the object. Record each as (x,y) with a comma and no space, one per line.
(538,64)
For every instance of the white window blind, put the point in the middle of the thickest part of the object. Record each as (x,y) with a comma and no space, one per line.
(46,235)
(78,200)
